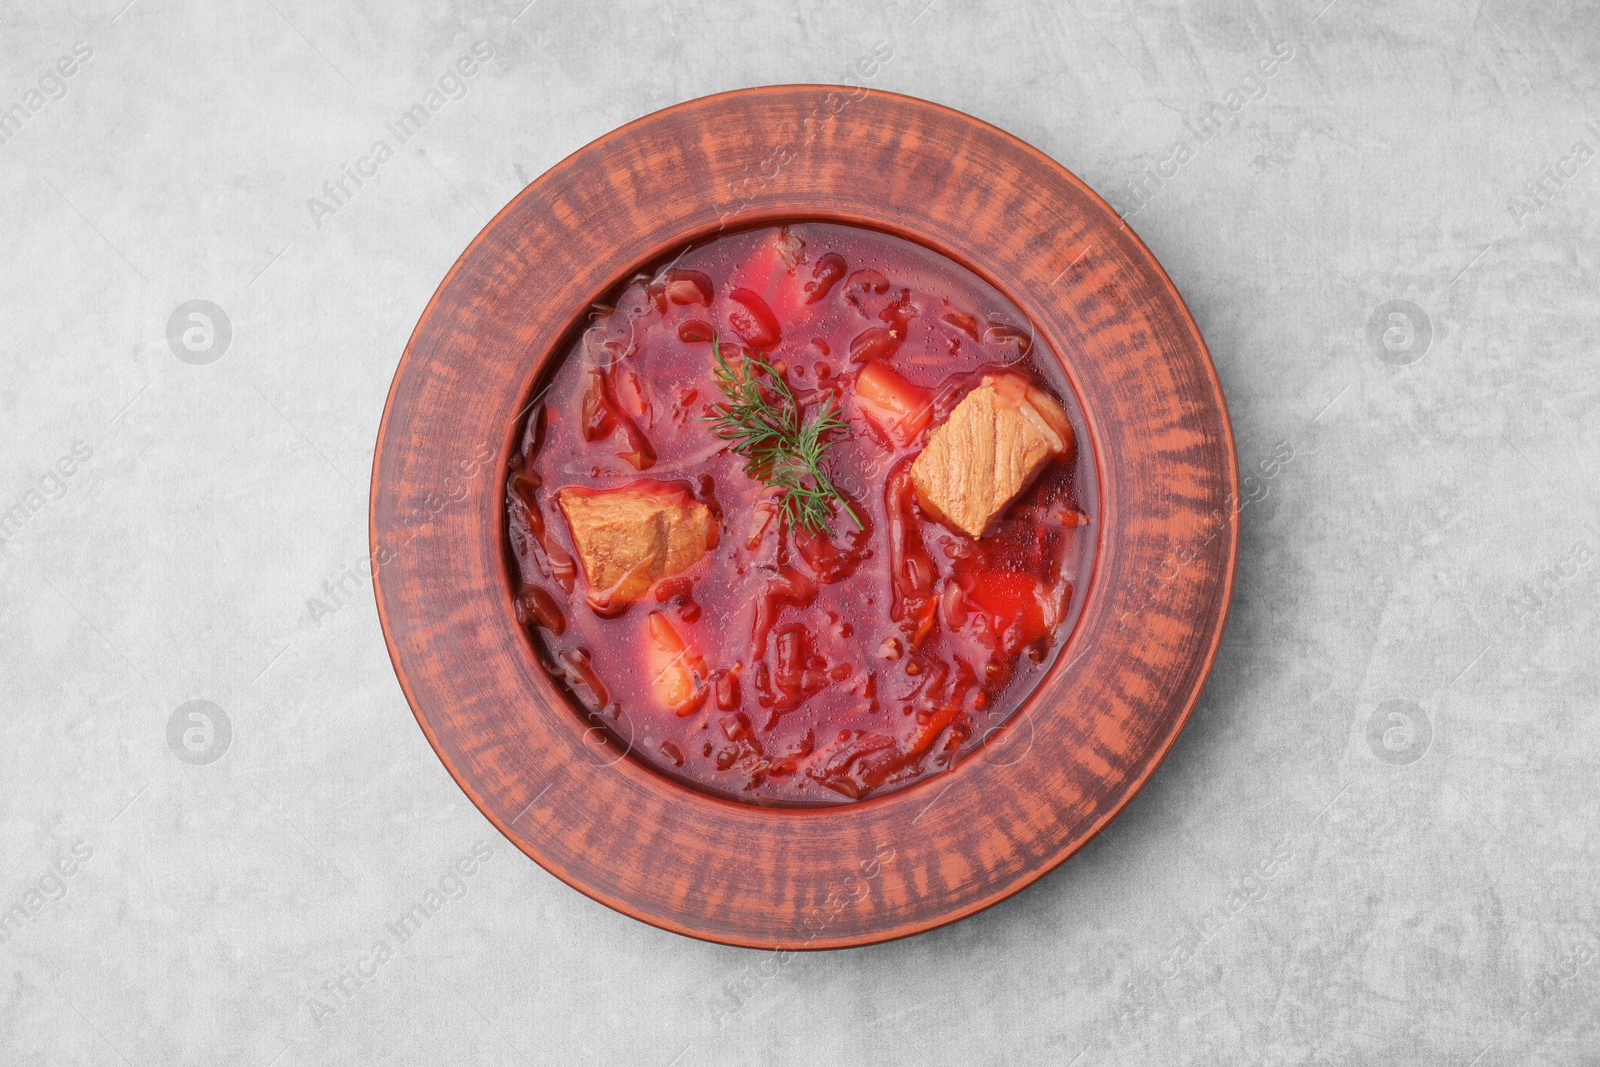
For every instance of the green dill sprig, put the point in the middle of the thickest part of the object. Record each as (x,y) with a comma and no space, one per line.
(765,424)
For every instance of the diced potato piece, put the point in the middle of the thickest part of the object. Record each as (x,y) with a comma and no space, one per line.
(894,405)
(992,446)
(677,673)
(628,538)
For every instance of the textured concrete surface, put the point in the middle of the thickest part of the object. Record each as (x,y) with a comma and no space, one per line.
(1373,844)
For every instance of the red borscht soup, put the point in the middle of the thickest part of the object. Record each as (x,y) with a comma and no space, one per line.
(803,515)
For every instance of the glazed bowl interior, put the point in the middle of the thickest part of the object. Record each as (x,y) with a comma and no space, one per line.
(541,370)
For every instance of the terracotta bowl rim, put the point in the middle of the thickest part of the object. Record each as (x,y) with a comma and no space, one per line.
(536,367)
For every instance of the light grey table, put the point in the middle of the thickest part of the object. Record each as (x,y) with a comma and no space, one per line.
(1374,843)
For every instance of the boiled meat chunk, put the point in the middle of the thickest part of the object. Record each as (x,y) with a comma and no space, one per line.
(629,537)
(994,443)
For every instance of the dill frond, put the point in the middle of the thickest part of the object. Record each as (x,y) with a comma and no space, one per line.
(767,427)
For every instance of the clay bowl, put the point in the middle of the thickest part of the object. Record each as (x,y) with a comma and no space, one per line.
(1096,728)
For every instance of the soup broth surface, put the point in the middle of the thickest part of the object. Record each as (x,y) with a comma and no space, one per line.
(781,664)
